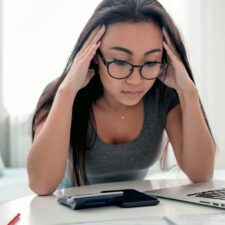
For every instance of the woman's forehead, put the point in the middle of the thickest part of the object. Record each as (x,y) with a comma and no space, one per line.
(140,34)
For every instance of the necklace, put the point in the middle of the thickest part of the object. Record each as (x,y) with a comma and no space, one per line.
(122,117)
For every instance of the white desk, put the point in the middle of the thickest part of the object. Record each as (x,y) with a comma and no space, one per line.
(36,210)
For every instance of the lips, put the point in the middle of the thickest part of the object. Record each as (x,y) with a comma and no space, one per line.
(132,92)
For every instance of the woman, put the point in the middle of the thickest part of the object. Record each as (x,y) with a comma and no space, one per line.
(127,80)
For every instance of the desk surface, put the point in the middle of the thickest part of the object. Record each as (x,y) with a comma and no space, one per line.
(36,210)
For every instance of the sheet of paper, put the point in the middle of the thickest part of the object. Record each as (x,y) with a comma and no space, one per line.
(141,221)
(206,219)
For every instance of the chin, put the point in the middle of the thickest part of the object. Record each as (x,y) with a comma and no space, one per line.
(132,98)
(130,101)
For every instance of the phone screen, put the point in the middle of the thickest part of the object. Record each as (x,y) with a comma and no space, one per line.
(133,198)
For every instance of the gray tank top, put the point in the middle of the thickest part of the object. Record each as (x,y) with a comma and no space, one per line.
(131,161)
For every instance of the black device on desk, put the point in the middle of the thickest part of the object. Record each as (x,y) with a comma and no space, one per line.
(123,198)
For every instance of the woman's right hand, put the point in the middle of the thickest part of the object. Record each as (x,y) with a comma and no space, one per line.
(79,74)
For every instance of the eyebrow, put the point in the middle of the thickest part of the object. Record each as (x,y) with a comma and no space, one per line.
(131,53)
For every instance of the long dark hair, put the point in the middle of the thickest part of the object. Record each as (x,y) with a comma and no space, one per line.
(107,12)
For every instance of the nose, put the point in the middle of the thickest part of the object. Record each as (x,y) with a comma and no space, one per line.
(135,77)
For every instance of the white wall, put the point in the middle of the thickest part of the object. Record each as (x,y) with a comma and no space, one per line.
(38,39)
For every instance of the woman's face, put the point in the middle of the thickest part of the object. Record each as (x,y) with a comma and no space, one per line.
(129,42)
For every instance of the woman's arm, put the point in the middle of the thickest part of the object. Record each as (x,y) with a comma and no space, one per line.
(190,137)
(185,124)
(47,158)
(48,154)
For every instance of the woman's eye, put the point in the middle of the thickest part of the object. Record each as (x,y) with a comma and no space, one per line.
(150,64)
(120,62)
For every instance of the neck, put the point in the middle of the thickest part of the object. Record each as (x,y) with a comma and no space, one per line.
(114,110)
(115,104)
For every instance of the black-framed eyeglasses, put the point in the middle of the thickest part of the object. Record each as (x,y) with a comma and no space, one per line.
(120,69)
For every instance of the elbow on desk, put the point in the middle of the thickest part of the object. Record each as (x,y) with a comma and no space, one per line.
(197,175)
(42,190)
(197,178)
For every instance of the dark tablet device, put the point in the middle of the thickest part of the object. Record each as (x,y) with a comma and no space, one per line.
(91,200)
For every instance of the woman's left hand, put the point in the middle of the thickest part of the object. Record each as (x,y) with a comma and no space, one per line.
(176,75)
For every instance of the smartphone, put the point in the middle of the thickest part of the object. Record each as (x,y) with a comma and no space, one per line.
(91,200)
(134,198)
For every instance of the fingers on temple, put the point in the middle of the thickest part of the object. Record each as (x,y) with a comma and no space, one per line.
(90,52)
(170,53)
(168,45)
(168,41)
(91,36)
(93,39)
(99,35)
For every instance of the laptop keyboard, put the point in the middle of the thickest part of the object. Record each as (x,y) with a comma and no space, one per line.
(214,194)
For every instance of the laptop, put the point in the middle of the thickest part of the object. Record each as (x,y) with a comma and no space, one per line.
(211,193)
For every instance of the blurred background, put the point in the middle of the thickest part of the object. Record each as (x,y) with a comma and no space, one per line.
(37,37)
